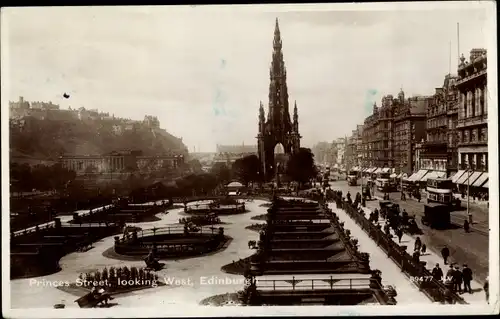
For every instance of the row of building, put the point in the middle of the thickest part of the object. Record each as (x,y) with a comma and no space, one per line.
(446,132)
(22,109)
(331,154)
(120,162)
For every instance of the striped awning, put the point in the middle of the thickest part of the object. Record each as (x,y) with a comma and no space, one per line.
(415,177)
(485,185)
(481,180)
(431,174)
(472,177)
(386,170)
(440,174)
(378,170)
(393,175)
(455,177)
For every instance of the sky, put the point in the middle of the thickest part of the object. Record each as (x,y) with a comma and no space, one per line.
(203,71)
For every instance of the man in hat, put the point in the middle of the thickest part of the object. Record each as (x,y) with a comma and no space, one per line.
(467,277)
(437,273)
(457,279)
(466,226)
(445,252)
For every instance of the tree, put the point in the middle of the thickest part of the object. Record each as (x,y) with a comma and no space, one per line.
(195,165)
(247,169)
(221,172)
(301,166)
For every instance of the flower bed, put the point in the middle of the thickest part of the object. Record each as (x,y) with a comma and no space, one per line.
(115,280)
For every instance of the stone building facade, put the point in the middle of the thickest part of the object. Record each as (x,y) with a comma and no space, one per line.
(472,125)
(119,162)
(409,129)
(439,151)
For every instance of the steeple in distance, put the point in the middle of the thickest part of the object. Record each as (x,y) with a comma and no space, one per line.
(295,118)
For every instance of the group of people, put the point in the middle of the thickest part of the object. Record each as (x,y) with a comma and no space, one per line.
(415,193)
(455,277)
(476,195)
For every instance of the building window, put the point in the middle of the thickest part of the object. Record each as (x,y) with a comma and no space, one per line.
(484,134)
(474,135)
(466,136)
(479,102)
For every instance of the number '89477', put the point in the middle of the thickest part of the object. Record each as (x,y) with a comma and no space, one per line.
(420,278)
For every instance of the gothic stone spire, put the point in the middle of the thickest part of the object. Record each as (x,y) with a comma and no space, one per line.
(278,90)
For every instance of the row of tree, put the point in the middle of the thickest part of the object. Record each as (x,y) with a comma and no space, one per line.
(26,178)
(300,168)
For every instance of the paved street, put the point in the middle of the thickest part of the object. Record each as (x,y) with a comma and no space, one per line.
(471,248)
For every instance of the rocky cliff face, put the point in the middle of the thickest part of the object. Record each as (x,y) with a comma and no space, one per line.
(46,139)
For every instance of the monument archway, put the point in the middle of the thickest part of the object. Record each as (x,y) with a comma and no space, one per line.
(279,135)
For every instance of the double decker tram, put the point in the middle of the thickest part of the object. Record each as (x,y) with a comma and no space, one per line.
(383,182)
(440,191)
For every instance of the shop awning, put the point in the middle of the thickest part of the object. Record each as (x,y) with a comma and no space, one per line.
(472,177)
(431,174)
(355,168)
(481,180)
(417,176)
(386,170)
(485,185)
(440,174)
(378,170)
(455,177)
(393,175)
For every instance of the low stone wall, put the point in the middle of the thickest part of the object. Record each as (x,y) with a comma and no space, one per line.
(170,242)
(38,253)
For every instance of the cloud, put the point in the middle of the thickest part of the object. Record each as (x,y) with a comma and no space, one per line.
(204,72)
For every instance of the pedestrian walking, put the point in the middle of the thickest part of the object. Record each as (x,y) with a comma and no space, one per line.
(387,229)
(457,279)
(424,248)
(467,277)
(437,273)
(399,233)
(445,253)
(466,226)
(418,244)
(450,282)
(416,256)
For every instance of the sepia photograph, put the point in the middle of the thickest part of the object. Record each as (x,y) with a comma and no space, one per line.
(314,159)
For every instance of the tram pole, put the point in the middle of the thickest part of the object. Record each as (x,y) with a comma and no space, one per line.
(469,214)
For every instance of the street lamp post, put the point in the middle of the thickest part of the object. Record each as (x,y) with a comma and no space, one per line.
(401,178)
(361,168)
(469,214)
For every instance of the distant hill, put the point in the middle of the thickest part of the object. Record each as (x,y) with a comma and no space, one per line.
(47,139)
